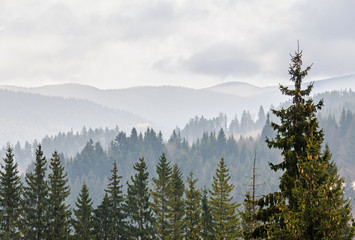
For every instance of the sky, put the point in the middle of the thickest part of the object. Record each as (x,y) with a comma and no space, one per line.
(192,43)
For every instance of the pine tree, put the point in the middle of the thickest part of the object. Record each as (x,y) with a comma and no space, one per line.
(102,220)
(10,198)
(176,203)
(59,214)
(138,204)
(322,212)
(192,220)
(118,216)
(83,223)
(226,224)
(206,218)
(35,200)
(160,197)
(310,204)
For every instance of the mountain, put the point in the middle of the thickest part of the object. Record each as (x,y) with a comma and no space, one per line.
(27,116)
(338,83)
(170,106)
(243,89)
(247,90)
(167,106)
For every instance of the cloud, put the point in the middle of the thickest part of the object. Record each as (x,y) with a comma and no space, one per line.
(223,60)
(328,19)
(139,21)
(124,43)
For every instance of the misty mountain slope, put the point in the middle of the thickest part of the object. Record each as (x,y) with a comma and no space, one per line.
(320,86)
(25,116)
(174,106)
(338,83)
(171,106)
(68,90)
(243,89)
(167,106)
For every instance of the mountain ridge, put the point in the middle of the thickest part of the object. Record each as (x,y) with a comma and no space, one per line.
(171,106)
(29,116)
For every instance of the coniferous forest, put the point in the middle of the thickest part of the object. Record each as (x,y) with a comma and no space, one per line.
(143,188)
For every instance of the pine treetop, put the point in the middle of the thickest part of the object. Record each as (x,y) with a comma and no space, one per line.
(83,224)
(10,197)
(35,199)
(310,204)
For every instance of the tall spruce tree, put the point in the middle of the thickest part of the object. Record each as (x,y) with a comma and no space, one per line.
(176,204)
(192,219)
(206,218)
(310,204)
(226,223)
(59,215)
(117,200)
(35,201)
(83,222)
(102,220)
(160,197)
(138,204)
(10,198)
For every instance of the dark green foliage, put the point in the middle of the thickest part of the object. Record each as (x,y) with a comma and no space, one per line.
(93,164)
(59,214)
(310,204)
(206,218)
(298,122)
(102,220)
(83,223)
(321,212)
(35,200)
(226,223)
(192,219)
(10,198)
(176,204)
(138,204)
(116,198)
(160,195)
(91,157)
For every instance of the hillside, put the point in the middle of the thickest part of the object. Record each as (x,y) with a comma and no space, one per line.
(171,106)
(167,106)
(25,116)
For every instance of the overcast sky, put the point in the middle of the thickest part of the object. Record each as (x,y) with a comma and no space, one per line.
(192,43)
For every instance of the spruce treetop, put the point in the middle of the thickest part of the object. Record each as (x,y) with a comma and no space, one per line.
(310,204)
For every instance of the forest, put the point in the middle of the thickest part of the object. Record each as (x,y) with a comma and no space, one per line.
(135,186)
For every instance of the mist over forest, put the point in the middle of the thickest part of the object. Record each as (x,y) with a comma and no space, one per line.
(112,135)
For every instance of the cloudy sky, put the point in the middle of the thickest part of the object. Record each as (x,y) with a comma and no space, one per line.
(192,43)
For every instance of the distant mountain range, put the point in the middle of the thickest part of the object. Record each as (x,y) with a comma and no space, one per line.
(27,116)
(65,106)
(167,106)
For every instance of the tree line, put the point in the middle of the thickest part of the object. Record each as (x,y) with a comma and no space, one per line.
(171,209)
